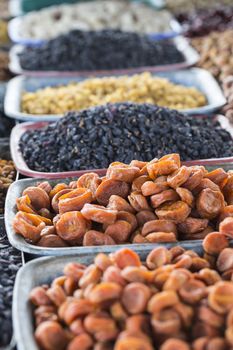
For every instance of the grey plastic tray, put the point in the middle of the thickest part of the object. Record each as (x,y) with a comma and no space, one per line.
(194,77)
(19,242)
(44,270)
(190,58)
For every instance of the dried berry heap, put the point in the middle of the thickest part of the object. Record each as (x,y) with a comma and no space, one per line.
(95,137)
(106,49)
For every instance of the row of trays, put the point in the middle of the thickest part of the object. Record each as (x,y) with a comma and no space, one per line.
(15,35)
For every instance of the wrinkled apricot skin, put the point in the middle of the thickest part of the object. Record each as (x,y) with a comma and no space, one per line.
(28,225)
(176,212)
(95,238)
(51,336)
(90,181)
(38,197)
(24,204)
(111,187)
(99,214)
(72,226)
(209,203)
(74,200)
(214,243)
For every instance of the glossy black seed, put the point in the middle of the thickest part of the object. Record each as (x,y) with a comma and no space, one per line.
(95,137)
(98,50)
(10,262)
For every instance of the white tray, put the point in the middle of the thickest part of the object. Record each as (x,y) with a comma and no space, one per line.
(195,77)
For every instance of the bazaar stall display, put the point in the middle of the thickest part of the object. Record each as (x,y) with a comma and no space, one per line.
(116,175)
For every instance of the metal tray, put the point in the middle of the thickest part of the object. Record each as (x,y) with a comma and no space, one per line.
(43,271)
(22,167)
(15,36)
(190,54)
(194,77)
(19,242)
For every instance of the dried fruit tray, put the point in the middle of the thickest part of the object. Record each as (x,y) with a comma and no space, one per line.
(190,54)
(43,271)
(194,77)
(22,167)
(19,242)
(16,37)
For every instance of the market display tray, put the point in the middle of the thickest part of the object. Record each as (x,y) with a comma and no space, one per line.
(43,271)
(15,36)
(15,191)
(194,77)
(23,168)
(190,54)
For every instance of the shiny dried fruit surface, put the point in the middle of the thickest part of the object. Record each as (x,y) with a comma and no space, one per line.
(169,299)
(160,201)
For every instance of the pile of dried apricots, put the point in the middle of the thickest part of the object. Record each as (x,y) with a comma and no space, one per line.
(175,300)
(143,202)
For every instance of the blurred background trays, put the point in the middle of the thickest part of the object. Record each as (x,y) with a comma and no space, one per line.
(22,167)
(190,54)
(43,271)
(15,23)
(195,77)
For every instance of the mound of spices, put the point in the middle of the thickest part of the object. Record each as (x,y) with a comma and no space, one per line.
(10,262)
(95,137)
(107,49)
(7,177)
(140,88)
(173,300)
(202,22)
(154,202)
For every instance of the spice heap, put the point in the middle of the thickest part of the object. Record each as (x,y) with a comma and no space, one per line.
(94,15)
(216,50)
(202,22)
(106,49)
(159,201)
(141,88)
(175,299)
(95,137)
(10,262)
(7,177)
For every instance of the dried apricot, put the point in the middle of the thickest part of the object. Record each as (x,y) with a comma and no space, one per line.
(158,226)
(122,172)
(178,177)
(165,196)
(135,297)
(176,212)
(51,336)
(120,204)
(209,203)
(110,187)
(38,197)
(95,238)
(99,213)
(214,243)
(220,297)
(72,227)
(74,200)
